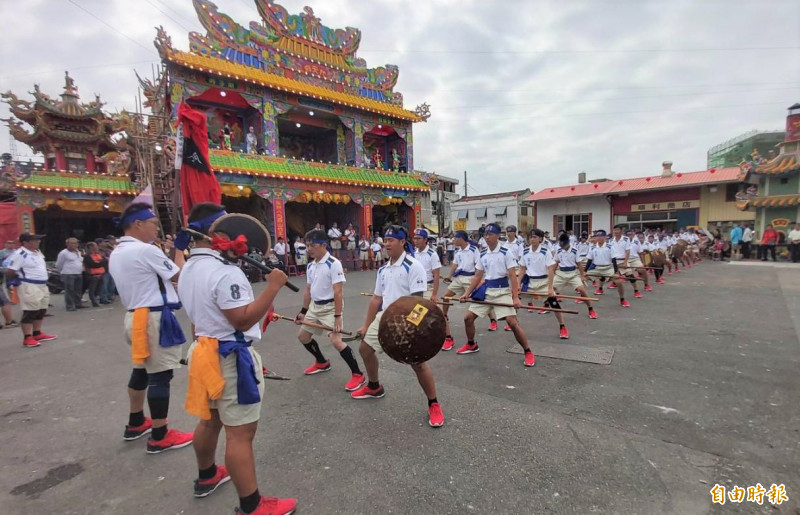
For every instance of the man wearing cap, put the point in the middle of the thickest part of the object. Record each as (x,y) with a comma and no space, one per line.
(636,264)
(400,277)
(497,266)
(143,276)
(429,260)
(462,270)
(323,303)
(567,275)
(605,265)
(27,270)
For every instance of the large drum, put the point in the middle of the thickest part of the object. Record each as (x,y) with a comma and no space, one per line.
(412,330)
(678,249)
(647,258)
(659,259)
(239,224)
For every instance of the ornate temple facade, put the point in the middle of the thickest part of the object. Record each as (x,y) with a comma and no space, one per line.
(775,191)
(84,179)
(301,130)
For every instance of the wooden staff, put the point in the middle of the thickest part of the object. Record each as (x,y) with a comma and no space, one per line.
(504,305)
(276,316)
(622,276)
(575,297)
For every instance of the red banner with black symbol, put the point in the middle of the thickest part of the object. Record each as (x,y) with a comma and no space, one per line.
(198,182)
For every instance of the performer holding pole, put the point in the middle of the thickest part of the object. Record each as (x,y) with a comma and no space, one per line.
(496,264)
(323,303)
(461,273)
(605,264)
(225,386)
(401,276)
(143,275)
(429,261)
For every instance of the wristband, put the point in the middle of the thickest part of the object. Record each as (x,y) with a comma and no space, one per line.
(337,315)
(304,311)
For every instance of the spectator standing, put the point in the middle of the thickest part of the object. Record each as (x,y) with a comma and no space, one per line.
(747,238)
(377,252)
(96,266)
(107,247)
(450,247)
(794,243)
(69,264)
(736,239)
(27,269)
(5,303)
(363,254)
(301,254)
(335,235)
(280,251)
(768,241)
(350,234)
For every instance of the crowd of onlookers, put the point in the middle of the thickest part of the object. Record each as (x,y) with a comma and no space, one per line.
(742,241)
(82,268)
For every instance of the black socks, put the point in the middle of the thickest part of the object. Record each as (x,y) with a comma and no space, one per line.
(373,385)
(208,473)
(313,348)
(432,401)
(159,433)
(347,356)
(136,419)
(250,503)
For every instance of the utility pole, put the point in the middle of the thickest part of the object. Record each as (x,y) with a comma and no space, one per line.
(465,183)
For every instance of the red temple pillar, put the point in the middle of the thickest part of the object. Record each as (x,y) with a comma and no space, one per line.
(279,210)
(366,215)
(90,163)
(61,160)
(416,221)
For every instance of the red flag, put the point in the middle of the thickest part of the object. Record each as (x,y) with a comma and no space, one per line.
(267,319)
(198,182)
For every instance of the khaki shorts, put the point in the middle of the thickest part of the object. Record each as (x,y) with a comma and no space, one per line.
(428,293)
(537,286)
(161,358)
(302,260)
(635,263)
(33,297)
(371,338)
(495,295)
(363,255)
(351,245)
(567,279)
(231,413)
(319,315)
(336,244)
(603,270)
(458,286)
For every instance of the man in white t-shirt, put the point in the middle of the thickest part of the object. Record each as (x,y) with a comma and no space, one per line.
(363,254)
(225,388)
(377,252)
(323,303)
(300,254)
(143,276)
(401,276)
(335,237)
(281,248)
(429,260)
(69,264)
(26,268)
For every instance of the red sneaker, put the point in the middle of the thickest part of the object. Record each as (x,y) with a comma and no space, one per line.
(355,382)
(317,368)
(647,287)
(449,343)
(599,291)
(637,294)
(136,432)
(493,325)
(563,333)
(669,273)
(435,415)
(625,304)
(530,359)
(365,392)
(594,284)
(677,270)
(174,440)
(507,328)
(42,337)
(273,506)
(612,286)
(468,349)
(543,312)
(592,314)
(530,307)
(206,487)
(660,281)
(578,301)
(29,342)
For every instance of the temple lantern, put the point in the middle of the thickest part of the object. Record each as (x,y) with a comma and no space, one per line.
(345,199)
(337,199)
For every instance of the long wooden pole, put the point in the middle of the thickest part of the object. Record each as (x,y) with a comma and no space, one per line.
(575,297)
(277,316)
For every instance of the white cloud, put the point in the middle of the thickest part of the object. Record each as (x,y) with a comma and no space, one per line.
(523,94)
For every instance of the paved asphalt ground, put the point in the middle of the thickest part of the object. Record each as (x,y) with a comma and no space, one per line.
(702,389)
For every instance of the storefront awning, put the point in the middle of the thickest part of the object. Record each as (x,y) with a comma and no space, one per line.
(462,214)
(500,211)
(480,212)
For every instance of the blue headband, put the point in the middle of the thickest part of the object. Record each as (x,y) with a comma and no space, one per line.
(319,241)
(601,232)
(462,234)
(422,233)
(492,228)
(142,214)
(399,234)
(203,225)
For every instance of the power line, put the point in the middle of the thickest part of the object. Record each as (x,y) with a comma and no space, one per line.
(592,88)
(575,101)
(584,51)
(608,113)
(90,13)
(154,6)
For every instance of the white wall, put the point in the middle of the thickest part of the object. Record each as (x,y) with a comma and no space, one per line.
(598,206)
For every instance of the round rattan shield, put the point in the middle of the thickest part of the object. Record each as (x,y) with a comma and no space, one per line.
(412,330)
(235,224)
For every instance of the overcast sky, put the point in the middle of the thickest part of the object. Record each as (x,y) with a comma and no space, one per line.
(522,93)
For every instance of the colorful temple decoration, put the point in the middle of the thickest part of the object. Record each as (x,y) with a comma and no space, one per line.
(86,166)
(302,131)
(775,183)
